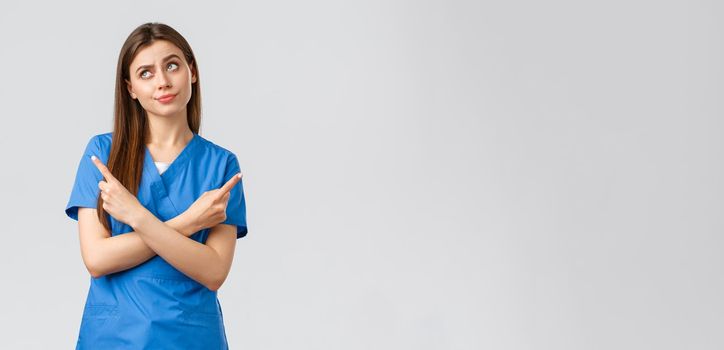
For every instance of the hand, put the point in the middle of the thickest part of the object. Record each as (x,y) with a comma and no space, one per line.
(210,209)
(117,200)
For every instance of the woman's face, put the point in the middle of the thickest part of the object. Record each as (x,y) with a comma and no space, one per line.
(160,69)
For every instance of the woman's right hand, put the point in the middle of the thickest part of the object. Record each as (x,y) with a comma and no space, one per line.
(209,210)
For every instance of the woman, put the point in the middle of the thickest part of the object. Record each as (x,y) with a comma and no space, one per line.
(159,208)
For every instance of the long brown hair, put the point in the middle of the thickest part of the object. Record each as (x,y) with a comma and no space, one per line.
(130,125)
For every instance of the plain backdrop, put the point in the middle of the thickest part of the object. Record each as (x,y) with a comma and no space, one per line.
(418,174)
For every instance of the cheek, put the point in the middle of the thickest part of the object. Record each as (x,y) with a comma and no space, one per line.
(145,93)
(184,84)
(183,79)
(139,88)
(144,96)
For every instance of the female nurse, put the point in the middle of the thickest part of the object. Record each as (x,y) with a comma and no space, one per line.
(159,208)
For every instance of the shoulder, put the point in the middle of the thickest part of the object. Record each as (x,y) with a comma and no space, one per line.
(224,159)
(99,144)
(105,138)
(104,141)
(214,150)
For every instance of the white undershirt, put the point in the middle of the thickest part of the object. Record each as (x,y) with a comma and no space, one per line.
(162,166)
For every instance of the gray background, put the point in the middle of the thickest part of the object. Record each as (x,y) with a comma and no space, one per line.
(418,174)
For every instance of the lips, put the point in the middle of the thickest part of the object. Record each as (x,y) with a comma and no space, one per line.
(166,98)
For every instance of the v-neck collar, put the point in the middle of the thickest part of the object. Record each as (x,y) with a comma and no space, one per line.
(180,159)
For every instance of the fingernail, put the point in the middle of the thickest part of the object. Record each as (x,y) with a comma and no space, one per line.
(93,157)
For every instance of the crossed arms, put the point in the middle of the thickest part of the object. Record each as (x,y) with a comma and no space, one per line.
(208,264)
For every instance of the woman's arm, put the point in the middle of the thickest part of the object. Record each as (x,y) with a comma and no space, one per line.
(208,264)
(103,254)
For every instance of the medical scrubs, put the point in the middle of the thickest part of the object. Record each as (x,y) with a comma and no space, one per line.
(153,305)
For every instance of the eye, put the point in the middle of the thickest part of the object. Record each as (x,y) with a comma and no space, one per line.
(169,64)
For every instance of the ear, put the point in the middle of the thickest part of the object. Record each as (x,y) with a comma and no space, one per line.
(130,89)
(193,72)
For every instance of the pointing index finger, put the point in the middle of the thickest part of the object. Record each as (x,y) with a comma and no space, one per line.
(231,183)
(102,168)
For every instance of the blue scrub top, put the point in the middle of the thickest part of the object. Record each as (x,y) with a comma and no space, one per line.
(153,305)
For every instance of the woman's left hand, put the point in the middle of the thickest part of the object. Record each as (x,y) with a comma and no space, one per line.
(117,200)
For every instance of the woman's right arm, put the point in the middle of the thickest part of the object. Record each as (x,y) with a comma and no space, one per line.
(103,254)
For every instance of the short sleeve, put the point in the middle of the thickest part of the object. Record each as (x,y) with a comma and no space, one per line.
(85,188)
(236,207)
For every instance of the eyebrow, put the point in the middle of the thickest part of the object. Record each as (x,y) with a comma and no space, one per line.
(165,59)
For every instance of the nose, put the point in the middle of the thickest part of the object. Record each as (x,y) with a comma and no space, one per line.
(163,80)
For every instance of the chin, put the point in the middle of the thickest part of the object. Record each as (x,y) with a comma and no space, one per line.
(166,112)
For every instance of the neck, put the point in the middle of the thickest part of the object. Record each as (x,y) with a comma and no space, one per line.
(168,130)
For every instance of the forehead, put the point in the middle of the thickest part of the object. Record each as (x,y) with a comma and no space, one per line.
(155,52)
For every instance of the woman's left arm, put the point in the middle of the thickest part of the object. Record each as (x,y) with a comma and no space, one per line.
(208,264)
